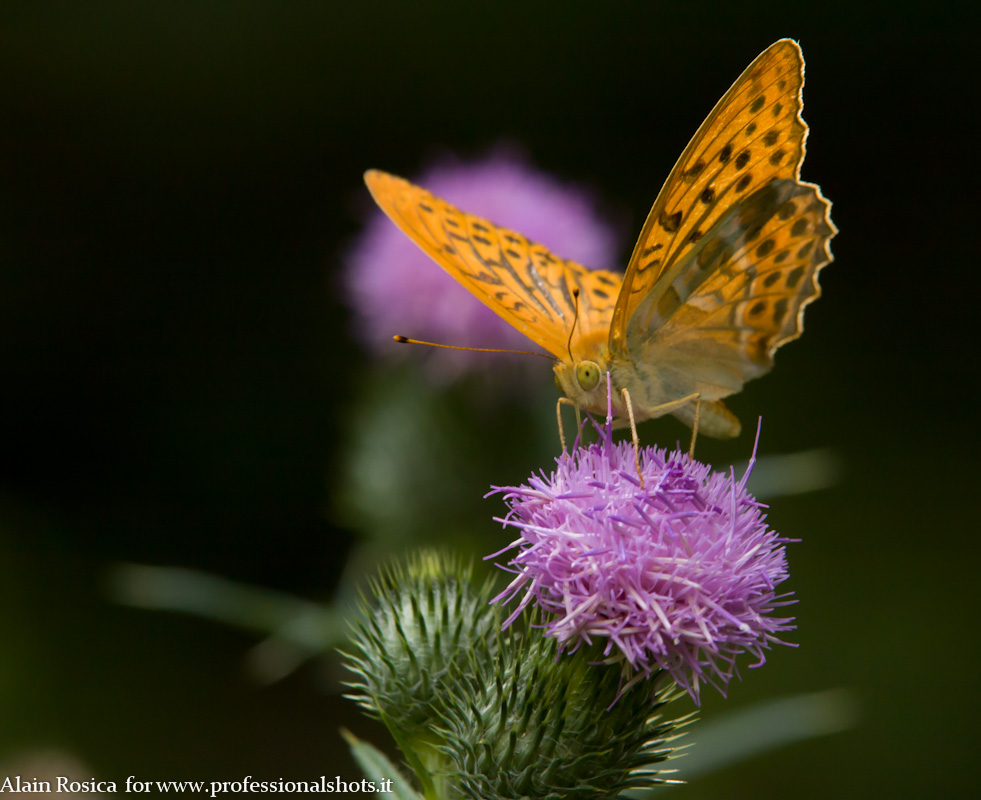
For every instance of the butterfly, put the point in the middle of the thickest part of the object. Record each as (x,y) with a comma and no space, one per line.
(718,280)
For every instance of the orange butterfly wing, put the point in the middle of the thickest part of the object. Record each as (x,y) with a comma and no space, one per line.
(729,255)
(522,282)
(754,135)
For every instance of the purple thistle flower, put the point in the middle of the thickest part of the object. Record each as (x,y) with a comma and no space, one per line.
(679,575)
(394,287)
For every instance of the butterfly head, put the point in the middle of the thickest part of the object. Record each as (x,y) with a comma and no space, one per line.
(583,382)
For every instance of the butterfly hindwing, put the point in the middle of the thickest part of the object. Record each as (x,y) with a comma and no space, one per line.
(717,318)
(521,281)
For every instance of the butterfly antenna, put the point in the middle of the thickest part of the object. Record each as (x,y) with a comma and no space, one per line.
(575,320)
(406,340)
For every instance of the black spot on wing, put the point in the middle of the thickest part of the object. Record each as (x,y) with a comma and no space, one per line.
(486,277)
(779,310)
(794,276)
(694,170)
(787,210)
(670,222)
(711,252)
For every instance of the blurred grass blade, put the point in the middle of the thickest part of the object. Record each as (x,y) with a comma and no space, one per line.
(794,473)
(379,769)
(297,629)
(759,729)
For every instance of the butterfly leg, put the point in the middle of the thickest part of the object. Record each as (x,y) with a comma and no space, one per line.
(565,401)
(633,433)
(694,426)
(665,407)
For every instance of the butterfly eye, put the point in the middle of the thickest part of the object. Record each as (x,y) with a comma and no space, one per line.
(588,374)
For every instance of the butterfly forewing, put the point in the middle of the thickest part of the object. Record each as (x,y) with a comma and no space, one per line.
(754,135)
(521,281)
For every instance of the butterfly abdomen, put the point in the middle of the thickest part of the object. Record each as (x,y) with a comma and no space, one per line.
(654,392)
(714,419)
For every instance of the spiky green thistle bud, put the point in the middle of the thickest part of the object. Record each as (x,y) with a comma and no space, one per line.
(485,713)
(421,618)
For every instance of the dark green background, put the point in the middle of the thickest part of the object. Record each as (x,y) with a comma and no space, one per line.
(178,182)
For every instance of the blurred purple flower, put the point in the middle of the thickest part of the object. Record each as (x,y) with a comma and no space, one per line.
(394,287)
(679,575)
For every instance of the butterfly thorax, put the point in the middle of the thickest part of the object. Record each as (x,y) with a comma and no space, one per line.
(576,380)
